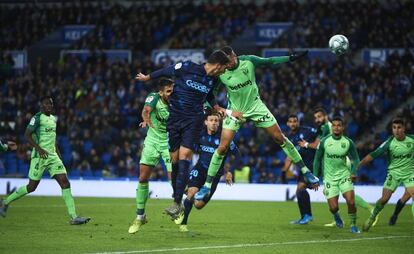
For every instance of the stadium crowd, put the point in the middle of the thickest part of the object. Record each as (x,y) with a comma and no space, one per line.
(99,104)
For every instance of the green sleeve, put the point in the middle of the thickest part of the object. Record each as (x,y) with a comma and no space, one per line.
(152,100)
(317,162)
(260,61)
(383,148)
(354,155)
(326,130)
(3,147)
(410,136)
(34,122)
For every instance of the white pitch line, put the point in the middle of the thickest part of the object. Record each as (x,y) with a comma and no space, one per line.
(257,245)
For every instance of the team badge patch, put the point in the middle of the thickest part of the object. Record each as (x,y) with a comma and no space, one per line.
(149,99)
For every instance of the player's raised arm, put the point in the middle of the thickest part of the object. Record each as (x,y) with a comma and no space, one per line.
(169,71)
(261,61)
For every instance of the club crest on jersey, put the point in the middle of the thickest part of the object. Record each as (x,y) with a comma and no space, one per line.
(245,71)
(343,145)
(408,145)
(178,66)
(149,99)
(217,141)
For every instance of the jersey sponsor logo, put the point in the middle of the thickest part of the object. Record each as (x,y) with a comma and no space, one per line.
(149,99)
(178,66)
(207,149)
(32,121)
(241,85)
(402,156)
(198,86)
(335,156)
(50,129)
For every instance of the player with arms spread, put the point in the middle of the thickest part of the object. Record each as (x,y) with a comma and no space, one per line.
(399,149)
(243,96)
(41,134)
(194,85)
(332,155)
(155,115)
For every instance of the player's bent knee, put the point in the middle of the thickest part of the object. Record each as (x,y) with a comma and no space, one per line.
(199,204)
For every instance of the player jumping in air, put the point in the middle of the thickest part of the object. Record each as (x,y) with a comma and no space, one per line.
(332,155)
(209,141)
(399,149)
(41,134)
(155,115)
(193,86)
(243,96)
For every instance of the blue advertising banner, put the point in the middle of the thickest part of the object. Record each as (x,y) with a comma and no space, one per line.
(111,55)
(19,58)
(379,56)
(266,33)
(172,56)
(322,54)
(75,32)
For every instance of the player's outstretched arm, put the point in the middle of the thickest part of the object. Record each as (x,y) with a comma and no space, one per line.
(142,77)
(367,159)
(262,61)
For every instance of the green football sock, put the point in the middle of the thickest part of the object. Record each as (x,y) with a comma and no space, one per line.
(294,155)
(20,192)
(142,197)
(69,202)
(362,203)
(377,209)
(214,166)
(352,219)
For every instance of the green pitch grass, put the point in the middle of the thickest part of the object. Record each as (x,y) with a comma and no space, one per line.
(40,225)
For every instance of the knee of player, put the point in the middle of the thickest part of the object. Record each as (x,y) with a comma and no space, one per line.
(222,149)
(30,188)
(199,204)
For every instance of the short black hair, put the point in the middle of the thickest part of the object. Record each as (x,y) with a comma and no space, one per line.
(293,116)
(320,109)
(227,49)
(398,120)
(338,118)
(210,112)
(47,97)
(163,82)
(219,57)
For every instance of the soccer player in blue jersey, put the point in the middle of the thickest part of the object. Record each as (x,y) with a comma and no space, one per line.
(296,134)
(194,85)
(209,141)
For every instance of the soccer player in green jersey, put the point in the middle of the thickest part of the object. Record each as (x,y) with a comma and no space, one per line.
(325,129)
(332,155)
(398,208)
(155,115)
(243,96)
(10,145)
(399,149)
(41,134)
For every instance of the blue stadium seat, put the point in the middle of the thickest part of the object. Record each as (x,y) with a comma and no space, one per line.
(87,173)
(74,172)
(97,173)
(87,146)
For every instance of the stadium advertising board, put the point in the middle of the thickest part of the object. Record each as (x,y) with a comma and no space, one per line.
(172,56)
(266,33)
(75,32)
(379,56)
(163,190)
(19,58)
